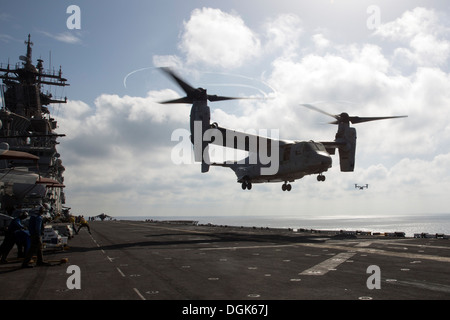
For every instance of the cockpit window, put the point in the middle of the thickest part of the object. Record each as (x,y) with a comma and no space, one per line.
(309,147)
(316,146)
(319,146)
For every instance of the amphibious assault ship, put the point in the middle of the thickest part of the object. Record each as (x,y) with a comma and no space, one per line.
(31,171)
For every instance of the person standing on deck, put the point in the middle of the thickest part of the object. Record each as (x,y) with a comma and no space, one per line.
(36,229)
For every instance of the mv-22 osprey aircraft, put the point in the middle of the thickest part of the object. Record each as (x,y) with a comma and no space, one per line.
(294,159)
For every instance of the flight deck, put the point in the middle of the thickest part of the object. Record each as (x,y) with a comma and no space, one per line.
(137,260)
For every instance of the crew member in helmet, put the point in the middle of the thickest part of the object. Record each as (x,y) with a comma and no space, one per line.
(36,229)
(10,236)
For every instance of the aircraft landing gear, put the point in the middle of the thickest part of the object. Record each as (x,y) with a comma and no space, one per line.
(246,185)
(286,187)
(214,125)
(321,177)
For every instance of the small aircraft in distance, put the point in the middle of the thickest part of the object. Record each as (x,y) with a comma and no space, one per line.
(361,187)
(102,216)
(293,159)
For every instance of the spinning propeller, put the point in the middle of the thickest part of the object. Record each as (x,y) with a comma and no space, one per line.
(345,118)
(193,94)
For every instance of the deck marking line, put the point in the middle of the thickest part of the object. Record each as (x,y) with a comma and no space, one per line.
(173,229)
(380,252)
(331,263)
(139,294)
(364,244)
(425,285)
(120,271)
(249,247)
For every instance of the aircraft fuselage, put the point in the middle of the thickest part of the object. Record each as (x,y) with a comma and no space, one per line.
(296,160)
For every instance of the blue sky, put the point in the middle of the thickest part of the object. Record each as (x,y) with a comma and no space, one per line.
(118,147)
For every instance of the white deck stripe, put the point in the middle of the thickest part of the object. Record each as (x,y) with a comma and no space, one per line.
(121,273)
(325,266)
(139,294)
(378,251)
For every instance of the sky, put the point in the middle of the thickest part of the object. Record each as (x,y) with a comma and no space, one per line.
(367,58)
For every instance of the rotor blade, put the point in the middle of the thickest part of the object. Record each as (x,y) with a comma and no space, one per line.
(357,119)
(181,100)
(214,98)
(190,100)
(183,84)
(193,94)
(309,106)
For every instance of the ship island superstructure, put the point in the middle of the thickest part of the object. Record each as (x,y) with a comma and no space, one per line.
(31,171)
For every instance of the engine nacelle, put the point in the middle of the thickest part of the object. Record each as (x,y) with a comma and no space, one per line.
(347,153)
(200,123)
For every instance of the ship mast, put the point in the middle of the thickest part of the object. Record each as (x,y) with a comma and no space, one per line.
(27,126)
(27,99)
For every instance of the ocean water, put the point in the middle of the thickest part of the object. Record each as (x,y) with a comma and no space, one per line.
(432,223)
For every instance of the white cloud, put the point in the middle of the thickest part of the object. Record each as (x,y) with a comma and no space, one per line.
(67,37)
(129,123)
(422,30)
(216,38)
(320,41)
(119,151)
(284,33)
(354,74)
(6,38)
(365,81)
(427,50)
(410,24)
(73,115)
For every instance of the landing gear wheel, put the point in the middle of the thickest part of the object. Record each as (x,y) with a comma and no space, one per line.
(320,177)
(246,185)
(286,187)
